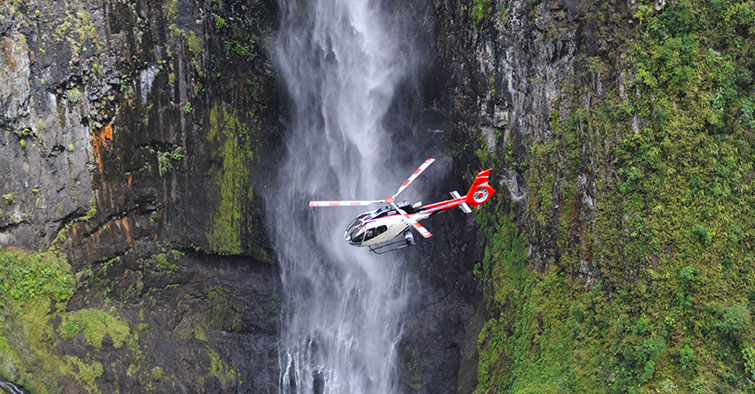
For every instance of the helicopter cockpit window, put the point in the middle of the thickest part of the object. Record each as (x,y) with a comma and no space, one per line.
(354,223)
(374,232)
(357,234)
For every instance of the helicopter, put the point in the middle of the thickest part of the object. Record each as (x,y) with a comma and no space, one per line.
(379,228)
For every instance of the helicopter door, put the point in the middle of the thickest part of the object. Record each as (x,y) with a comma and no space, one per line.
(374,232)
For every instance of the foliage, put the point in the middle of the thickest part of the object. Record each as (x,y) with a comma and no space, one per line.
(34,288)
(220,23)
(27,276)
(239,48)
(649,288)
(703,235)
(74,96)
(480,8)
(168,160)
(166,262)
(157,373)
(734,321)
(8,198)
(748,354)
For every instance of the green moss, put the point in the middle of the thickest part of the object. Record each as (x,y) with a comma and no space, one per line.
(220,23)
(413,368)
(242,49)
(223,314)
(157,373)
(231,216)
(35,290)
(95,324)
(86,373)
(171,9)
(194,44)
(9,198)
(219,369)
(131,370)
(166,262)
(199,333)
(92,211)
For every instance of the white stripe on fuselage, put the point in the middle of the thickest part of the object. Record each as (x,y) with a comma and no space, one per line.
(396,225)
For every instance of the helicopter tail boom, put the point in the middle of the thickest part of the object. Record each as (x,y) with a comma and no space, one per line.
(463,206)
(478,193)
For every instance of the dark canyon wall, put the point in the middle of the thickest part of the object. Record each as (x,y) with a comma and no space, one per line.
(134,138)
(618,255)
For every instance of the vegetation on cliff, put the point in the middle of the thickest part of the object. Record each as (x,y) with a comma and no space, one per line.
(646,191)
(34,291)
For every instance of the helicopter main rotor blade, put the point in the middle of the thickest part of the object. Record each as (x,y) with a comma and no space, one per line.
(343,203)
(423,231)
(413,177)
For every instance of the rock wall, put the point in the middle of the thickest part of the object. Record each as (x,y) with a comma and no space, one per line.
(135,137)
(621,137)
(496,74)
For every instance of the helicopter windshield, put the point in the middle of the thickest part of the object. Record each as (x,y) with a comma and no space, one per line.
(356,235)
(354,224)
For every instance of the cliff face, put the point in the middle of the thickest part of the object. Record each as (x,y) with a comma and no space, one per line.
(492,75)
(135,137)
(618,255)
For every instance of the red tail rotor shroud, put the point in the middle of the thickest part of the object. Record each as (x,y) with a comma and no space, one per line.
(480,191)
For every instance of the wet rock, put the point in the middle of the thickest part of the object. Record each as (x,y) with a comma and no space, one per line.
(114,122)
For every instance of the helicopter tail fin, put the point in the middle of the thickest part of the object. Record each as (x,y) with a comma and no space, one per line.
(480,191)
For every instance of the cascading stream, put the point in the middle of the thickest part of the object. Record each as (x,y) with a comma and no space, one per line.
(341,318)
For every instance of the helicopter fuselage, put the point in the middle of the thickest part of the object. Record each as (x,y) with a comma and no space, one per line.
(379,226)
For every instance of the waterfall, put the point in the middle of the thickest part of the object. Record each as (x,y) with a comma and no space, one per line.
(341,318)
(10,388)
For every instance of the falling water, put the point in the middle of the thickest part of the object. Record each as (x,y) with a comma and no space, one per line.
(341,319)
(10,388)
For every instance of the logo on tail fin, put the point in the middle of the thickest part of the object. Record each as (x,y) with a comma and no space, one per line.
(480,195)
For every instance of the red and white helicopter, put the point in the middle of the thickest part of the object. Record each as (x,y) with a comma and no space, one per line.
(377,229)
